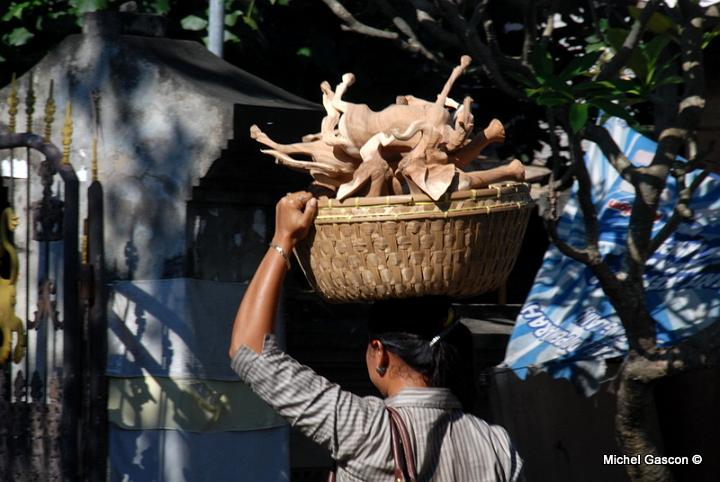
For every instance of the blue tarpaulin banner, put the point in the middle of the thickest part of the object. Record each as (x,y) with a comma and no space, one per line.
(567,326)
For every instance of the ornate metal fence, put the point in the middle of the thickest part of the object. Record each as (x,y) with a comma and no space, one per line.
(53,391)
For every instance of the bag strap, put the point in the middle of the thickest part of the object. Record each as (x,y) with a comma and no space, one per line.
(401,447)
(405,460)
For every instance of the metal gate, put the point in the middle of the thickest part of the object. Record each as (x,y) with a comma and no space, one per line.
(53,390)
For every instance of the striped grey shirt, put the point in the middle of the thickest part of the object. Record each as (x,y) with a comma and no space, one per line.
(449,445)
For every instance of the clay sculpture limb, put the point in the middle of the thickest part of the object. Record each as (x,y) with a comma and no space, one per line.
(358,123)
(494,133)
(412,100)
(374,169)
(464,124)
(514,171)
(432,180)
(329,166)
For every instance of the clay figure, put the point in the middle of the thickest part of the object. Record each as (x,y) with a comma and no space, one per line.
(413,145)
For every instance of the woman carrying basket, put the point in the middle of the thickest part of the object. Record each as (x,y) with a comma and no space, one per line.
(417,358)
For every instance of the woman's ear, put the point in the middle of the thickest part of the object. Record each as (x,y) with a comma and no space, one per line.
(379,356)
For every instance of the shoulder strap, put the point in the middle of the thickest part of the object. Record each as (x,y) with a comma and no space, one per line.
(403,457)
(405,460)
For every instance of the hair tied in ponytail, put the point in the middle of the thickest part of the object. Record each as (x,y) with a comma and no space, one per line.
(449,324)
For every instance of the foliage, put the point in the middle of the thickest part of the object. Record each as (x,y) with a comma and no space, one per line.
(578,61)
(32,27)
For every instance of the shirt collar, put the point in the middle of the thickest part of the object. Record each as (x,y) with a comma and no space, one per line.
(426,397)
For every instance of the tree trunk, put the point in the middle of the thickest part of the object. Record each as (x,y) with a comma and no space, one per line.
(636,424)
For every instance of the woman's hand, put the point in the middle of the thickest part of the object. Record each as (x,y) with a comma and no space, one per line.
(294,215)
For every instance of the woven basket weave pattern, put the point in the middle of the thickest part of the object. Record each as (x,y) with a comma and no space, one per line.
(401,249)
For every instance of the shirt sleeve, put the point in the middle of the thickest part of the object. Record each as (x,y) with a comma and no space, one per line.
(338,420)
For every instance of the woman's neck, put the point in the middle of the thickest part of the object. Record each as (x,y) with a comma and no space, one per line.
(405,379)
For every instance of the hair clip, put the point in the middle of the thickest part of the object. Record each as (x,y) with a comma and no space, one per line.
(449,325)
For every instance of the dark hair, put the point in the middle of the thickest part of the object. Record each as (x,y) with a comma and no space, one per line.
(407,327)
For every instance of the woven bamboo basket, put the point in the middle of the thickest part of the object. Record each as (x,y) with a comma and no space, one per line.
(365,249)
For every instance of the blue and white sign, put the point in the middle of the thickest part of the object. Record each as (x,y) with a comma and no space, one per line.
(567,326)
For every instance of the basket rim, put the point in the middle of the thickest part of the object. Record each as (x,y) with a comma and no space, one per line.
(492,191)
(450,206)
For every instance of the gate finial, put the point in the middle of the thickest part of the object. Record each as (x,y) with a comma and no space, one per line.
(13,104)
(67,133)
(29,104)
(94,166)
(49,112)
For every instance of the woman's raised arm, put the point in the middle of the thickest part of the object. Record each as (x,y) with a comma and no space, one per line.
(255,318)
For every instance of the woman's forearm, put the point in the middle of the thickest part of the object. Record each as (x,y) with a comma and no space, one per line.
(256,315)
(255,318)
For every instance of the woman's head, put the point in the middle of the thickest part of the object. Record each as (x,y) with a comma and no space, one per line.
(424,334)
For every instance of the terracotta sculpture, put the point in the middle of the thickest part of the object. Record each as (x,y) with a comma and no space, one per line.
(413,145)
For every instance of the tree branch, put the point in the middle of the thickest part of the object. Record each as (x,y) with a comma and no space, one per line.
(530,32)
(579,255)
(413,43)
(504,61)
(592,228)
(681,212)
(651,180)
(701,350)
(424,13)
(600,136)
(477,48)
(354,25)
(549,23)
(621,57)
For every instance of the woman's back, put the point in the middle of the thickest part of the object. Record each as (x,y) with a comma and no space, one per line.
(448,444)
(451,445)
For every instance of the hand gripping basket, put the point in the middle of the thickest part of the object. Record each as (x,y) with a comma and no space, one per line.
(365,249)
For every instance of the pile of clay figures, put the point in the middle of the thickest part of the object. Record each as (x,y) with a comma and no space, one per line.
(413,146)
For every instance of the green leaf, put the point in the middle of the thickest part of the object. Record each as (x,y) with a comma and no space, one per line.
(658,22)
(194,23)
(250,22)
(578,116)
(559,86)
(84,6)
(670,79)
(593,85)
(228,36)
(18,37)
(304,52)
(541,60)
(626,86)
(594,47)
(579,65)
(520,78)
(603,24)
(231,18)
(161,6)
(654,48)
(551,99)
(616,110)
(15,10)
(710,36)
(616,37)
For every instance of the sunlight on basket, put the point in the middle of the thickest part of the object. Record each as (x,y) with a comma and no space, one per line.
(365,249)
